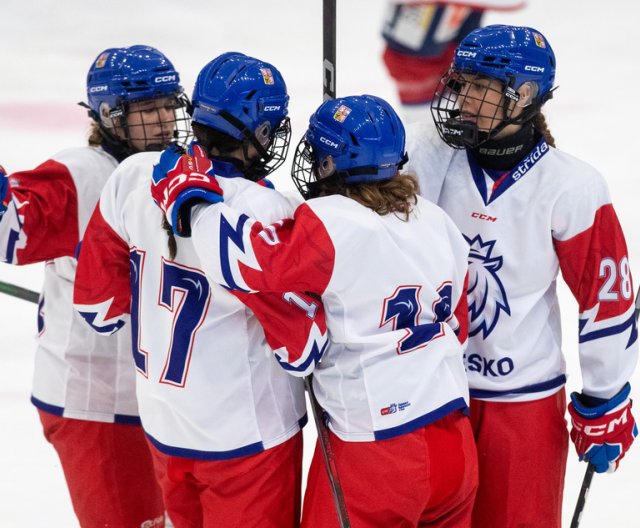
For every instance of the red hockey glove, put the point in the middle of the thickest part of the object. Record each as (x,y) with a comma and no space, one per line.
(602,435)
(180,181)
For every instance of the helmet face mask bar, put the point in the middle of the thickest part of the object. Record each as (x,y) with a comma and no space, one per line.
(501,75)
(309,174)
(151,124)
(134,95)
(263,150)
(469,109)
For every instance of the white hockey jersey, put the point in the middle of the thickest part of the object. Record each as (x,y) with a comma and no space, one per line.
(208,385)
(552,212)
(77,373)
(390,289)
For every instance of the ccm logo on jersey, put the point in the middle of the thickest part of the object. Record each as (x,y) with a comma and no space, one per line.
(328,142)
(164,78)
(599,430)
(481,216)
(489,367)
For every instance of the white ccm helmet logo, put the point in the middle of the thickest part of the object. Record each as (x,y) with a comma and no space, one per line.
(272,108)
(98,89)
(463,53)
(164,78)
(328,142)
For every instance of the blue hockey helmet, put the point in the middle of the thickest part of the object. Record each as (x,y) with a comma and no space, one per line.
(124,75)
(354,139)
(469,111)
(121,76)
(512,54)
(246,99)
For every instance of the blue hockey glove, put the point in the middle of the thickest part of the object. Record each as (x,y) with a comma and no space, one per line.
(180,181)
(603,434)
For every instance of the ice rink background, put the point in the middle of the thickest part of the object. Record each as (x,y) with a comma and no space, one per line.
(47,46)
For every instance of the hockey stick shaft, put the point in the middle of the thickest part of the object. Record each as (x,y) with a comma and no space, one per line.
(582,497)
(327,452)
(328,49)
(19,292)
(328,92)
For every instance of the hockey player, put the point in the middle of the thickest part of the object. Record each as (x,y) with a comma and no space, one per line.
(83,385)
(420,38)
(392,382)
(528,211)
(224,420)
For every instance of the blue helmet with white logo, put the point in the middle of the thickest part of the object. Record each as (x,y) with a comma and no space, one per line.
(513,54)
(245,99)
(501,75)
(354,139)
(125,75)
(119,77)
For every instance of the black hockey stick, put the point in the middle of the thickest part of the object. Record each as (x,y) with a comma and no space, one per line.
(328,49)
(19,292)
(328,92)
(588,474)
(582,497)
(329,460)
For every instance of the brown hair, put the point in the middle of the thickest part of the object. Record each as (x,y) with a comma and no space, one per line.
(540,125)
(95,137)
(171,239)
(396,195)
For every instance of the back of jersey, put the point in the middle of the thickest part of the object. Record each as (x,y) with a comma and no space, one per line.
(207,385)
(395,362)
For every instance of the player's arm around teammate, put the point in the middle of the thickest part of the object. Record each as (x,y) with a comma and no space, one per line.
(392,381)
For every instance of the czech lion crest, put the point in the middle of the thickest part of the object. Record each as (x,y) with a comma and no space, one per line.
(486,294)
